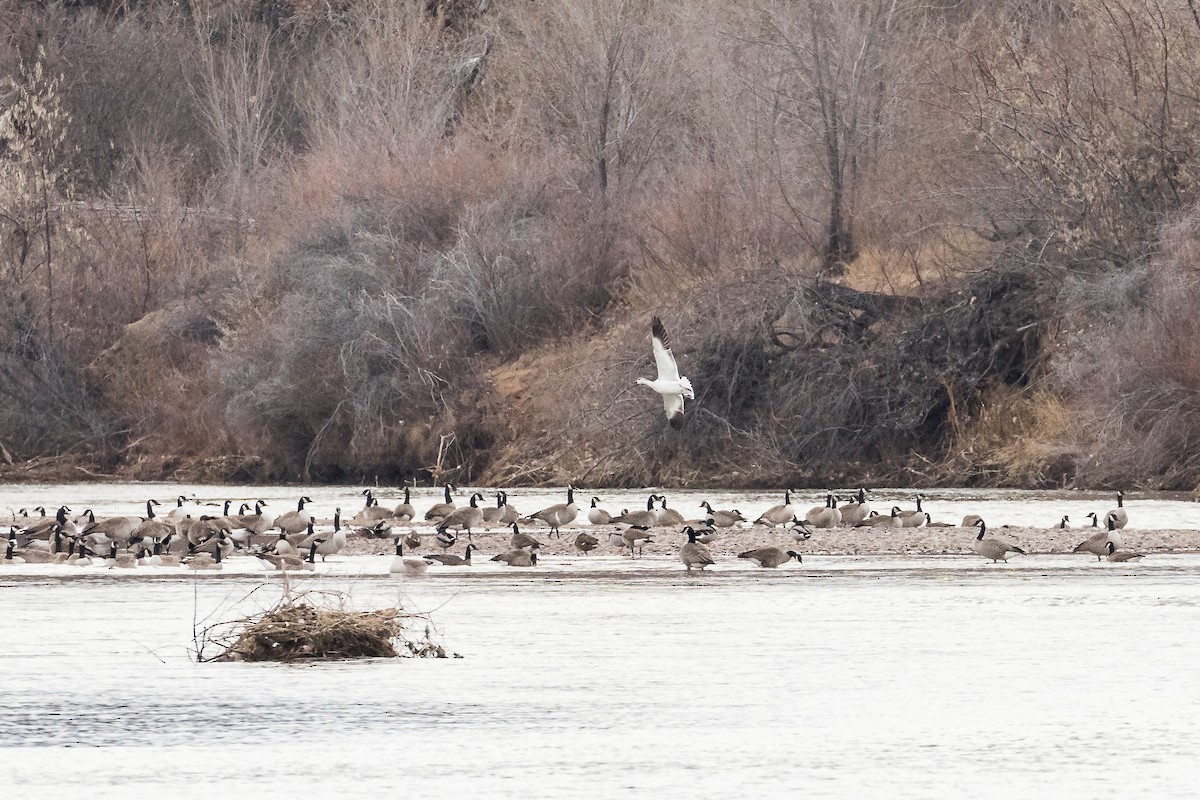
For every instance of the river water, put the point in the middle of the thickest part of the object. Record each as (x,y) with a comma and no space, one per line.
(843,677)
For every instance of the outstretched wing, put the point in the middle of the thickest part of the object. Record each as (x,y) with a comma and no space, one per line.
(673,403)
(667,369)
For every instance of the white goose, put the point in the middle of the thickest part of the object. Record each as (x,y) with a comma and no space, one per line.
(670,384)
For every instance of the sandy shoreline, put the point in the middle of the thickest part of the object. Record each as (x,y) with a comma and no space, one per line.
(832,541)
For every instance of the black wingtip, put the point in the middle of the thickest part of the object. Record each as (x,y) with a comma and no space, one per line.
(660,333)
(677,420)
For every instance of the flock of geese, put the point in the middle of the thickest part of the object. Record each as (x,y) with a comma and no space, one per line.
(193,538)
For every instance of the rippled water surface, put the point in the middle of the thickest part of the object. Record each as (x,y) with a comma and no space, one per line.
(842,677)
(884,678)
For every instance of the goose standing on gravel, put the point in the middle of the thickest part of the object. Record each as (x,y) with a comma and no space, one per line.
(1121,555)
(826,516)
(371,513)
(635,537)
(465,518)
(667,517)
(294,521)
(327,544)
(1097,544)
(800,530)
(913,519)
(669,384)
(597,515)
(561,514)
(722,518)
(258,522)
(779,515)
(444,509)
(693,554)
(642,520)
(1120,518)
(990,547)
(522,541)
(493,514)
(771,556)
(404,512)
(857,510)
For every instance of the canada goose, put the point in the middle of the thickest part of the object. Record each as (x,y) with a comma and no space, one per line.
(258,522)
(597,515)
(412,540)
(328,544)
(771,556)
(1097,544)
(151,527)
(827,516)
(1095,521)
(668,517)
(371,512)
(161,559)
(442,510)
(800,530)
(707,532)
(586,543)
(857,510)
(283,547)
(517,558)
(723,518)
(27,555)
(634,537)
(446,539)
(557,515)
(80,557)
(522,541)
(205,560)
(913,519)
(402,565)
(1120,518)
(284,562)
(992,548)
(492,515)
(1064,523)
(10,556)
(669,384)
(43,528)
(1121,555)
(120,560)
(693,554)
(116,529)
(970,521)
(404,512)
(451,560)
(778,515)
(219,546)
(510,514)
(642,520)
(178,511)
(464,519)
(879,521)
(294,521)
(929,523)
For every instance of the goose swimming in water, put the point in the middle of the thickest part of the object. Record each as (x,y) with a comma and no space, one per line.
(672,386)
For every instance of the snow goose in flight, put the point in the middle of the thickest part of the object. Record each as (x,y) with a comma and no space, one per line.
(669,383)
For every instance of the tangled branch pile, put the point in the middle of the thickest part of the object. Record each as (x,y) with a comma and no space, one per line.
(294,630)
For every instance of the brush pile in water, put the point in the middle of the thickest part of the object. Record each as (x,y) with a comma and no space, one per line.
(295,630)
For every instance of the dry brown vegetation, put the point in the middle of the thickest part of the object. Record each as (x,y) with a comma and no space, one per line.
(893,241)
